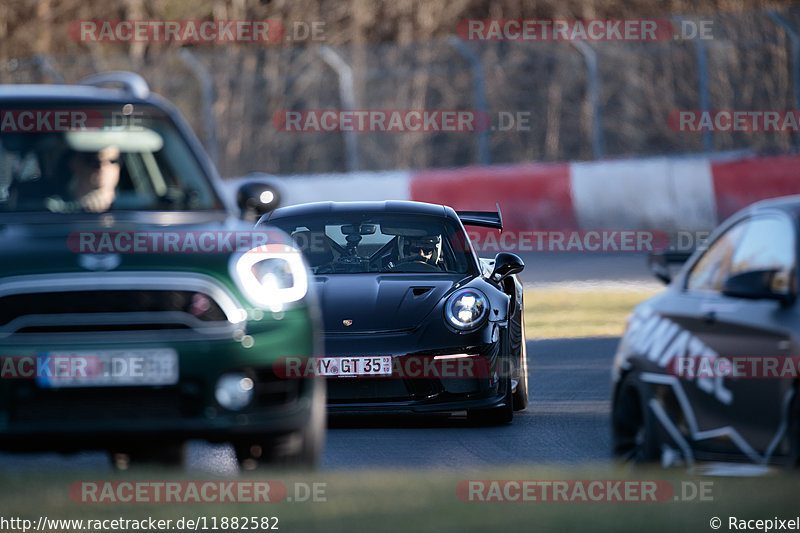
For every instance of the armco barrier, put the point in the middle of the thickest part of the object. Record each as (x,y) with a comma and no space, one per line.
(741,182)
(530,196)
(666,194)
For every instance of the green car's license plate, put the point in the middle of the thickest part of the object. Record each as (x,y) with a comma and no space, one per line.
(107,368)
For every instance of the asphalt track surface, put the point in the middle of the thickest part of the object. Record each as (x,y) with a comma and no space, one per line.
(550,267)
(567,421)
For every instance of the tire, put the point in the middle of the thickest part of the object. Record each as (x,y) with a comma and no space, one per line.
(301,449)
(634,429)
(793,430)
(518,345)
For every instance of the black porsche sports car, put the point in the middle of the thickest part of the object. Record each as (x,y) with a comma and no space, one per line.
(413,320)
(708,370)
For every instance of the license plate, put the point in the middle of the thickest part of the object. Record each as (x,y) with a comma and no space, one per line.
(351,367)
(107,368)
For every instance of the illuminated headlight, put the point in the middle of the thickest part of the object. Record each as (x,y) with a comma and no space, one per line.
(466,309)
(271,275)
(234,391)
(266,197)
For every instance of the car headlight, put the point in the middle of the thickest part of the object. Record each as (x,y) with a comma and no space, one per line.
(271,275)
(466,309)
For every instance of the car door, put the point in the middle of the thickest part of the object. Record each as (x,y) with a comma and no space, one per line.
(740,415)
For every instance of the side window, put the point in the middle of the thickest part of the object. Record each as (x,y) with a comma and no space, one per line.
(710,271)
(758,243)
(767,243)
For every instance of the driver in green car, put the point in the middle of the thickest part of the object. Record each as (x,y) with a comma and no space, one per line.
(89,186)
(95,176)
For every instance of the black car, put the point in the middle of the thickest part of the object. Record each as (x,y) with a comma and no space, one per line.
(413,320)
(708,369)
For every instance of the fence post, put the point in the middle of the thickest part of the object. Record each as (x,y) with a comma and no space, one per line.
(207,96)
(479,95)
(702,81)
(701,58)
(794,38)
(346,95)
(590,57)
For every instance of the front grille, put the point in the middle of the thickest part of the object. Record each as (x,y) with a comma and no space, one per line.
(111,310)
(197,304)
(85,328)
(343,390)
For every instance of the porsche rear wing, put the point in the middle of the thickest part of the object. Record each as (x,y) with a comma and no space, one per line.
(485,219)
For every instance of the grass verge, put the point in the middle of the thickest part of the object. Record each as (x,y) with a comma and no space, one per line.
(426,500)
(580,311)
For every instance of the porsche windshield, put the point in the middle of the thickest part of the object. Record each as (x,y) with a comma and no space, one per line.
(380,242)
(98,158)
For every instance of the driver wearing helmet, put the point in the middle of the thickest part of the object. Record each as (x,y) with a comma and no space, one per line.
(427,249)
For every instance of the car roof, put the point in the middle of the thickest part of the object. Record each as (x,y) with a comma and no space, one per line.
(66,93)
(789,204)
(94,90)
(388,206)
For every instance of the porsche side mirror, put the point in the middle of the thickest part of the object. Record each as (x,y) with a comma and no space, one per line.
(506,264)
(256,199)
(772,284)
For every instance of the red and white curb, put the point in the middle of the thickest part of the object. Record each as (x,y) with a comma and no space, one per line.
(664,193)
